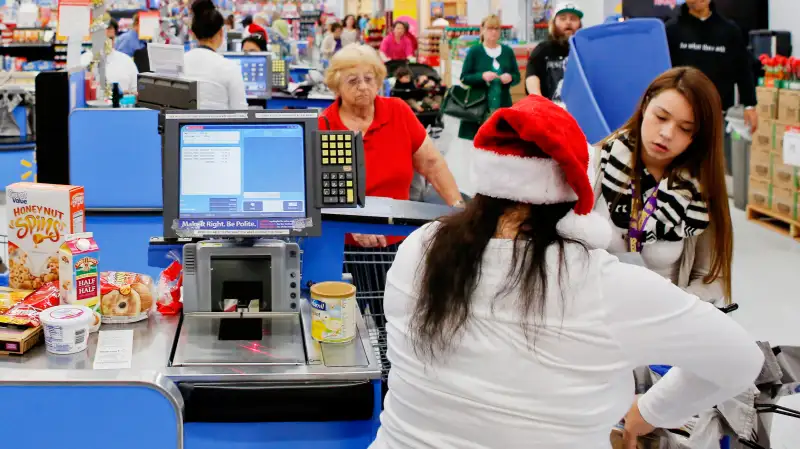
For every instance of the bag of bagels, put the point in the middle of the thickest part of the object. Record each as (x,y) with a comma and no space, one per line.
(126,297)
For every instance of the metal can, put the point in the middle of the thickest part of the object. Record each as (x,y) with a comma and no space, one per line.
(333,312)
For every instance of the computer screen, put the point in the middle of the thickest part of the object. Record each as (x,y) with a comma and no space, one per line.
(243,176)
(255,72)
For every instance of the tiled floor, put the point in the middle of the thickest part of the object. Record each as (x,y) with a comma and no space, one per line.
(766,284)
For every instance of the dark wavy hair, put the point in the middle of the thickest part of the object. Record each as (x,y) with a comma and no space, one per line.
(453,261)
(206,19)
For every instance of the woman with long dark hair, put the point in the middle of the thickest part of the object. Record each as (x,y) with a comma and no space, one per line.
(671,153)
(351,34)
(508,329)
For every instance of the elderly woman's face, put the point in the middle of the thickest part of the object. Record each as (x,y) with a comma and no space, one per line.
(359,86)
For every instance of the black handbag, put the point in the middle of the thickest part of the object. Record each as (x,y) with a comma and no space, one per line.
(463,103)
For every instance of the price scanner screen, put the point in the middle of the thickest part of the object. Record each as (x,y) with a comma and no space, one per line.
(242,177)
(255,71)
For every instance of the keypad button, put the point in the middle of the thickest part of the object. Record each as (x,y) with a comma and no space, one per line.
(348,152)
(326,192)
(341,153)
(349,183)
(348,145)
(324,152)
(348,160)
(341,175)
(349,175)
(340,137)
(341,191)
(343,200)
(341,184)
(324,161)
(326,176)
(326,184)
(350,198)
(324,138)
(324,145)
(348,137)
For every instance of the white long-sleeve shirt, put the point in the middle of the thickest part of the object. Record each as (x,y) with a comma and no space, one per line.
(566,384)
(220,83)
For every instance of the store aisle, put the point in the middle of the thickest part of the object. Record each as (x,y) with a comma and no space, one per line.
(766,284)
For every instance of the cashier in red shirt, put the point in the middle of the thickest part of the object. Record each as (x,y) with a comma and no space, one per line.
(395,142)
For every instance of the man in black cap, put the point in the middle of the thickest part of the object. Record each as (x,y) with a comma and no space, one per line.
(545,71)
(700,37)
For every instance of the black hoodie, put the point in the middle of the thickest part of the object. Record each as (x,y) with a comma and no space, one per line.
(715,46)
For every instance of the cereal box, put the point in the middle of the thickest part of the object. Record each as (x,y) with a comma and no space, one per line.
(40,215)
(78,272)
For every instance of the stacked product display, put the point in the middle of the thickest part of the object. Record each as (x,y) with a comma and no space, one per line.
(774,188)
(430,42)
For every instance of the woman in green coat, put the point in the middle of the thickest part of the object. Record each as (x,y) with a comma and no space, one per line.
(491,68)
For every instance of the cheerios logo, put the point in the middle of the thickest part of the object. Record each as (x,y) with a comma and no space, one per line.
(77,200)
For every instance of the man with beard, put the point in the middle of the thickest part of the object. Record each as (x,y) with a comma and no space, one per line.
(546,64)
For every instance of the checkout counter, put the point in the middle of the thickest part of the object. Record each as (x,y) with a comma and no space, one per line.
(258,204)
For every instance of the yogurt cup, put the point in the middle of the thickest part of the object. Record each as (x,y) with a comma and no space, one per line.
(66,328)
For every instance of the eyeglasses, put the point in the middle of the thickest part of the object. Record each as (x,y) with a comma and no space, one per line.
(355,80)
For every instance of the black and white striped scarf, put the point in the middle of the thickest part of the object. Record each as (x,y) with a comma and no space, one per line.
(681,211)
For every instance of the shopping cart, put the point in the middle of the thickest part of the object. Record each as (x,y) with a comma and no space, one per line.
(366,268)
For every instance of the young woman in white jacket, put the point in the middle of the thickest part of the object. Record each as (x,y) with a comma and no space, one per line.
(508,329)
(671,154)
(220,82)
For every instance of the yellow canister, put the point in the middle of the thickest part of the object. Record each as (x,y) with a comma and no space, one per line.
(333,312)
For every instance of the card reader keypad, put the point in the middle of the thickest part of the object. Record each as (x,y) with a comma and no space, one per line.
(279,74)
(338,160)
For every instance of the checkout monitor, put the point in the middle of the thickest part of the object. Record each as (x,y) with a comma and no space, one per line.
(247,174)
(256,72)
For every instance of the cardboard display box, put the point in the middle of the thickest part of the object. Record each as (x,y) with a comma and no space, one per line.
(780,131)
(789,106)
(761,165)
(759,193)
(785,176)
(764,135)
(767,102)
(784,202)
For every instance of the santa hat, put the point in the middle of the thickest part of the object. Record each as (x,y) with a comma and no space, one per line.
(503,167)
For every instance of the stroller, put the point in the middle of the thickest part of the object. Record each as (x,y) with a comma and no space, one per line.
(431,120)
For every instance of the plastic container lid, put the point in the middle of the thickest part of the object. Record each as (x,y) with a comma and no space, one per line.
(67,316)
(332,290)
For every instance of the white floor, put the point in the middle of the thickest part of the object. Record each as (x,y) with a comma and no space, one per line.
(766,285)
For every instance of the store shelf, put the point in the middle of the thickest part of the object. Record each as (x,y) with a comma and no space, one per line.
(26,45)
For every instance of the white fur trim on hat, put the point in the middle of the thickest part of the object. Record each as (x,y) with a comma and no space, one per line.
(530,180)
(592,229)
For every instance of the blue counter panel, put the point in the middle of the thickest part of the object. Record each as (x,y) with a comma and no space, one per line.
(125,417)
(124,241)
(116,155)
(17,164)
(298,103)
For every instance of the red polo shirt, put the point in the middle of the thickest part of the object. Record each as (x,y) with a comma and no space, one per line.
(393,137)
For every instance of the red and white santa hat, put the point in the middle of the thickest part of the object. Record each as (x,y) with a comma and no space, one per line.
(503,165)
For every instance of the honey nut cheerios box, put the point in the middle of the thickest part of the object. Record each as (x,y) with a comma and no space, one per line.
(40,217)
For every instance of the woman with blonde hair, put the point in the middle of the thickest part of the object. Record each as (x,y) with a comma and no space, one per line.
(661,184)
(395,142)
(489,68)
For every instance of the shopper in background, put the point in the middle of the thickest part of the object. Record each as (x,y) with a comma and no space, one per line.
(700,37)
(230,23)
(119,66)
(332,41)
(395,142)
(399,45)
(129,41)
(351,33)
(280,26)
(220,80)
(254,43)
(508,329)
(492,68)
(257,24)
(363,22)
(661,184)
(548,61)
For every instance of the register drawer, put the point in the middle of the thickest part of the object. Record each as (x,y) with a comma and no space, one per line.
(244,402)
